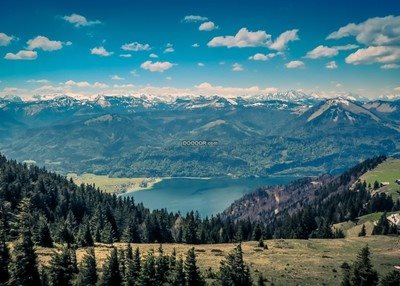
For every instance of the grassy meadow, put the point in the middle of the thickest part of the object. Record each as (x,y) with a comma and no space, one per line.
(285,262)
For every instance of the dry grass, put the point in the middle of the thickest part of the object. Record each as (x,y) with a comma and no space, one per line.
(286,262)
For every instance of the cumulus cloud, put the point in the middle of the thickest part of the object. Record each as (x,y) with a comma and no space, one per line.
(376,31)
(80,21)
(281,42)
(195,45)
(327,52)
(243,38)
(116,77)
(390,66)
(206,88)
(100,85)
(78,84)
(22,55)
(134,73)
(294,64)
(200,64)
(262,57)
(154,56)
(5,40)
(156,66)
(41,42)
(207,26)
(374,54)
(100,51)
(331,65)
(195,18)
(125,55)
(169,48)
(236,67)
(135,47)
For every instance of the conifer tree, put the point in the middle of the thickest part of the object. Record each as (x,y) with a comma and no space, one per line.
(85,238)
(111,271)
(148,270)
(23,265)
(61,270)
(87,270)
(162,267)
(4,253)
(233,270)
(132,266)
(177,274)
(363,231)
(192,271)
(391,279)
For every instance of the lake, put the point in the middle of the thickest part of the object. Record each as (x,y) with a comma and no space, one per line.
(207,196)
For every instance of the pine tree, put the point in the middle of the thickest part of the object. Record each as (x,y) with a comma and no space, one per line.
(4,253)
(111,273)
(43,236)
(233,270)
(132,266)
(391,279)
(192,272)
(148,270)
(177,274)
(162,267)
(23,266)
(361,272)
(87,270)
(85,238)
(61,269)
(130,233)
(363,231)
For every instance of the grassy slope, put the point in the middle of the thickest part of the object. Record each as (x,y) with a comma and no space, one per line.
(112,185)
(388,171)
(286,262)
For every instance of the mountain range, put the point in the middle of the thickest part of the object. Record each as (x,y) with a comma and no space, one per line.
(279,133)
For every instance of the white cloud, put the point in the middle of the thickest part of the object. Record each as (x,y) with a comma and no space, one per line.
(327,52)
(262,57)
(207,26)
(294,64)
(156,66)
(125,55)
(331,65)
(168,78)
(41,42)
(372,54)
(22,55)
(243,38)
(79,20)
(236,67)
(195,45)
(154,56)
(134,73)
(129,85)
(206,88)
(5,40)
(78,84)
(376,31)
(116,77)
(194,18)
(281,42)
(200,64)
(169,50)
(397,88)
(135,47)
(100,51)
(38,81)
(100,85)
(390,66)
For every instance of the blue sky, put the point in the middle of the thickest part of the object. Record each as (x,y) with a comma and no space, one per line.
(244,47)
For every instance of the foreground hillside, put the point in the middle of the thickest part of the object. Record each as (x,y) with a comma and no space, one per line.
(285,262)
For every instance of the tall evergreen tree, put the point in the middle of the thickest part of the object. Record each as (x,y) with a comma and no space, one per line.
(87,270)
(192,272)
(391,279)
(162,267)
(177,274)
(61,269)
(4,253)
(148,270)
(111,271)
(23,267)
(132,266)
(233,270)
(363,231)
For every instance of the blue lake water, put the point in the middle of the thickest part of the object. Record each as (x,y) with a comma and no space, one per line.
(207,196)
